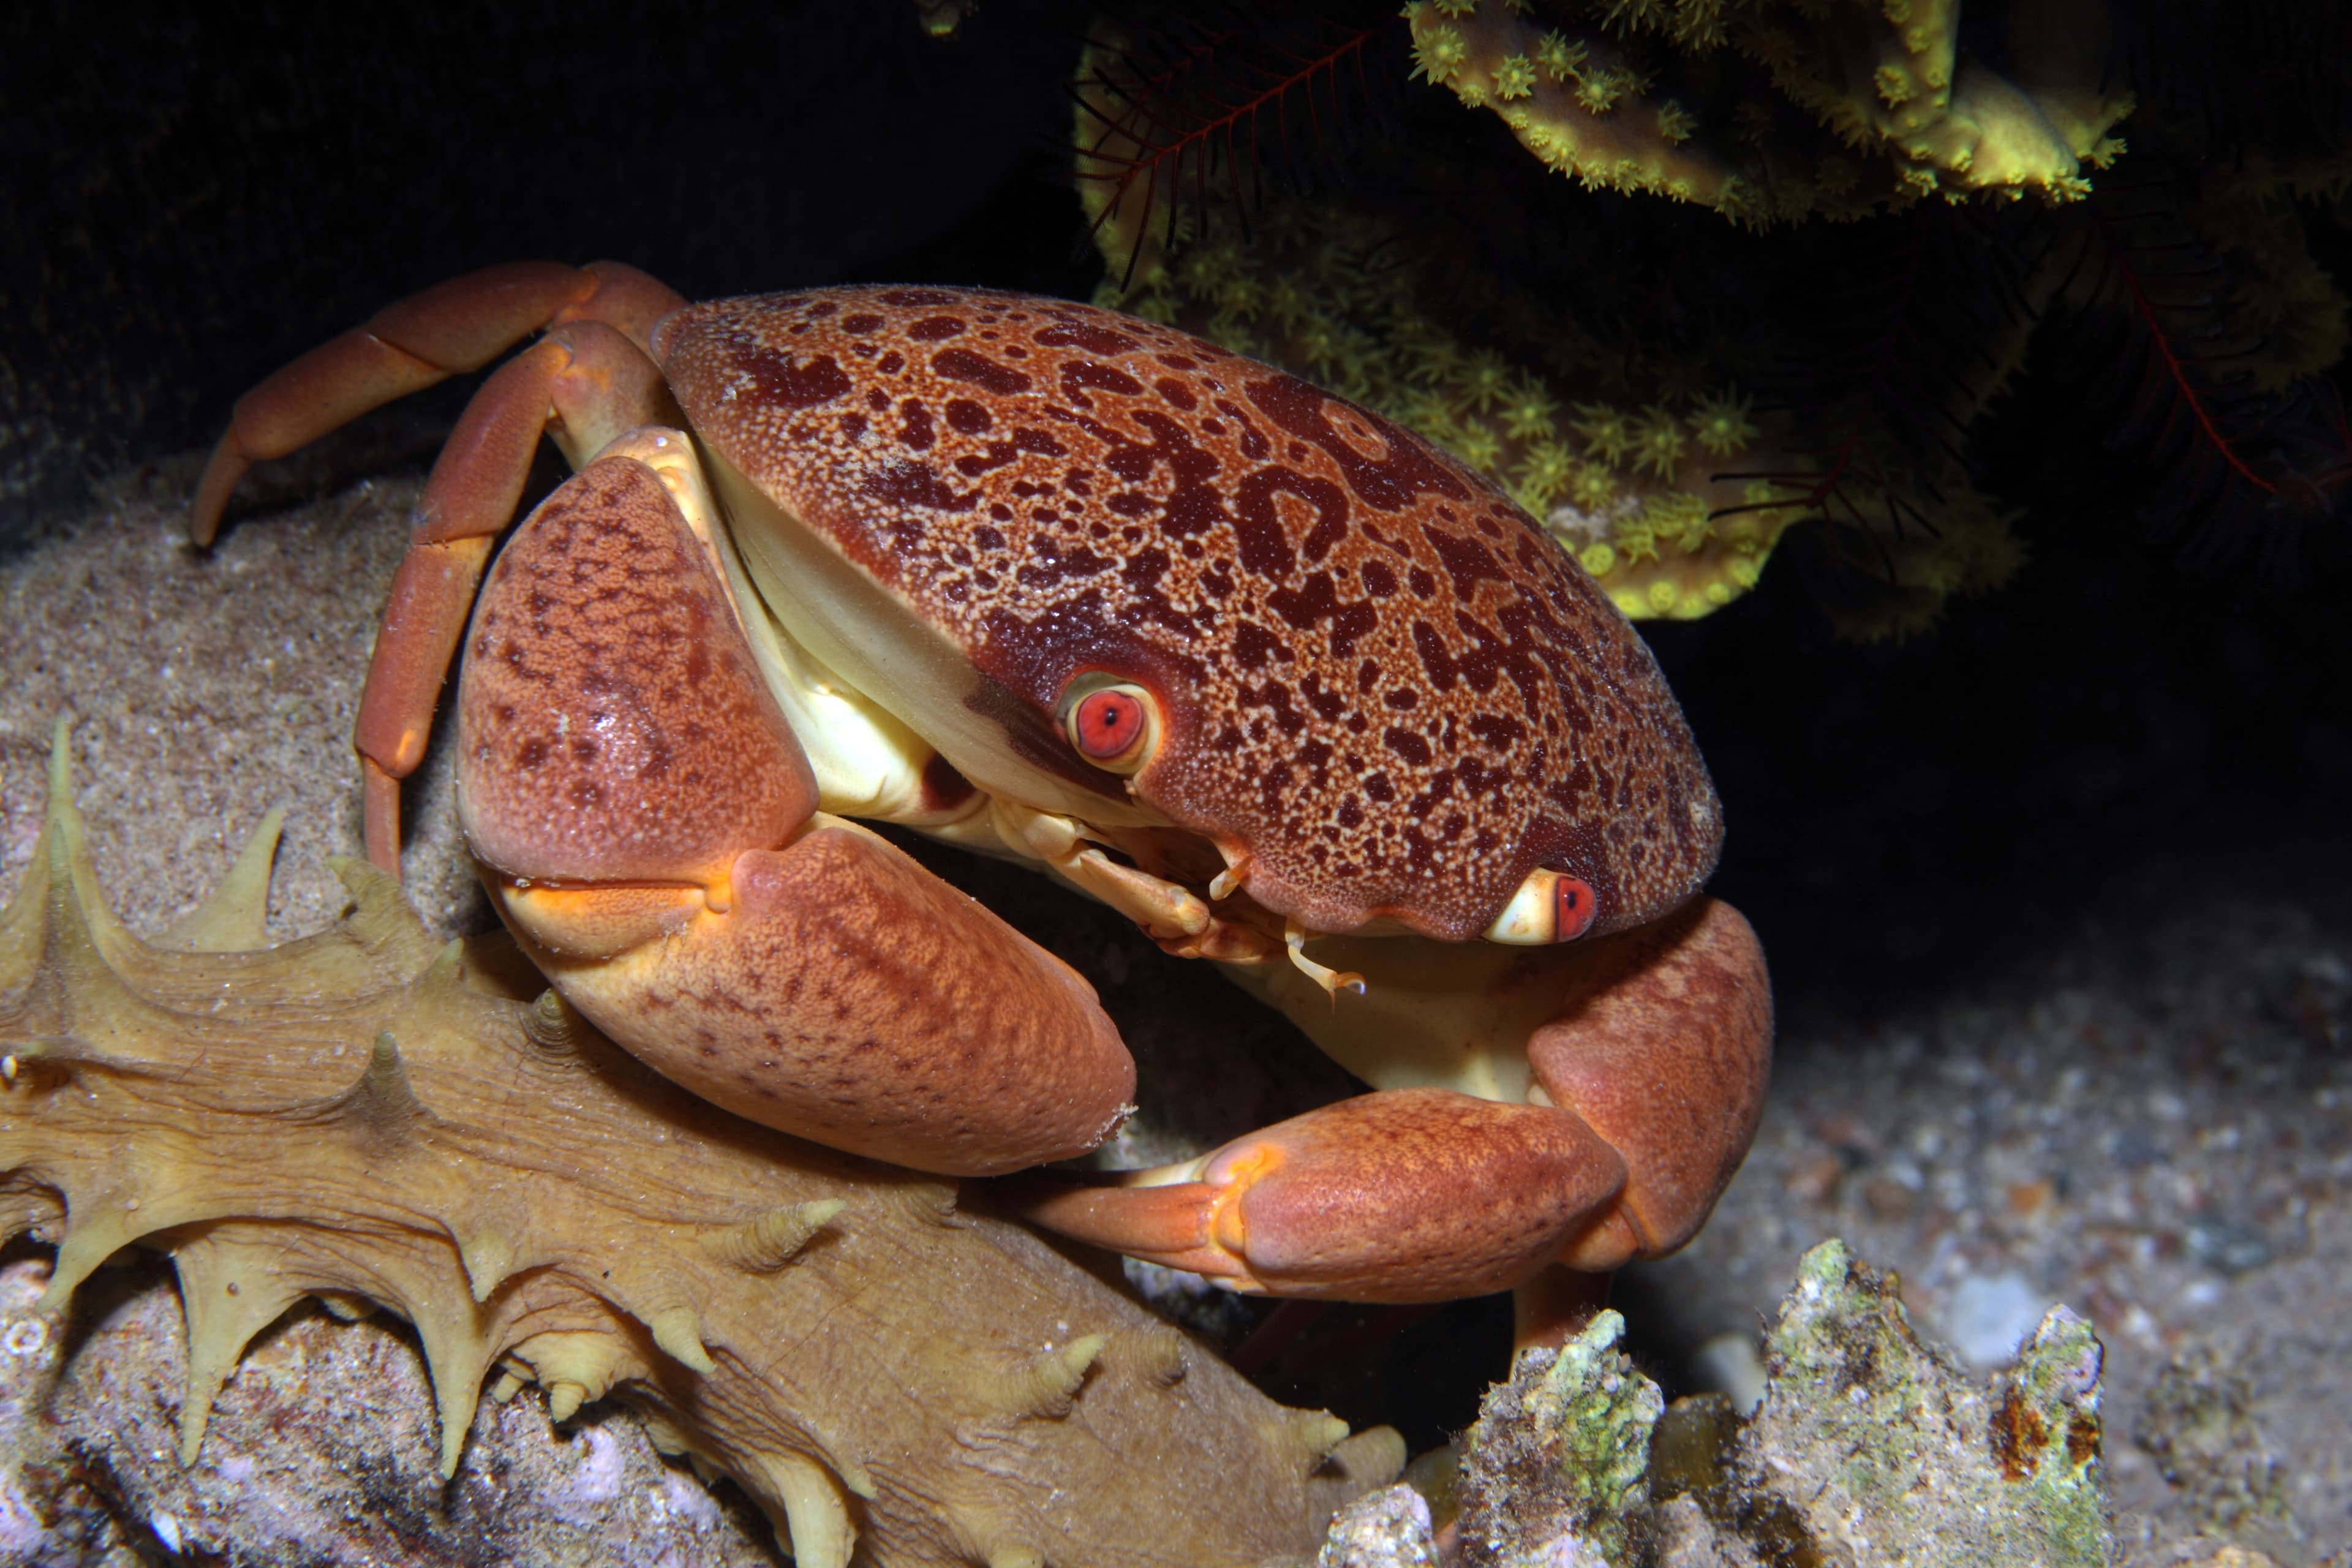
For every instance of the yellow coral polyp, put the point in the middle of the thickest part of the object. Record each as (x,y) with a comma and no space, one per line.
(1593,487)
(1318,344)
(1529,413)
(1242,296)
(1475,444)
(1597,93)
(1606,435)
(1546,472)
(1656,442)
(1205,269)
(1721,425)
(1485,381)
(1635,541)
(1515,78)
(1437,53)
(1561,59)
(1679,517)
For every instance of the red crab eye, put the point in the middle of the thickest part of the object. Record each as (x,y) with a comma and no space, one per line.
(1573,907)
(1110,726)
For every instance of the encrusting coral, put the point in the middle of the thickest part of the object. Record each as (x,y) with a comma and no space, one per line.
(369,1118)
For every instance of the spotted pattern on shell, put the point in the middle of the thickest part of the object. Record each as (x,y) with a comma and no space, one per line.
(1377,676)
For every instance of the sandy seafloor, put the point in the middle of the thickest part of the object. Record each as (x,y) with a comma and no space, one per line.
(2151,1119)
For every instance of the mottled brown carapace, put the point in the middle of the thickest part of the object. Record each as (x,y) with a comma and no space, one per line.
(1377,676)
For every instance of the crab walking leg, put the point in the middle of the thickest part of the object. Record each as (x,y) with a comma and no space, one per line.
(587,381)
(1614,1087)
(446,330)
(644,819)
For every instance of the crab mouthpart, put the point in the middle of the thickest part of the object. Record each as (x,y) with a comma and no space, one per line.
(1233,878)
(1295,937)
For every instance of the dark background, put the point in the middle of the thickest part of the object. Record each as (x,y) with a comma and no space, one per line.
(189,198)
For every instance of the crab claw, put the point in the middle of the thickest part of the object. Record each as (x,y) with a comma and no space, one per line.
(1411,1195)
(643,816)
(1623,1081)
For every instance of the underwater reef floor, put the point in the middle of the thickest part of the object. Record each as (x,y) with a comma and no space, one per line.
(2149,1119)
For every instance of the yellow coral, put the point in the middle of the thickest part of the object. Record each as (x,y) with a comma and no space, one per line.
(1529,412)
(1543,475)
(1721,425)
(1593,487)
(1339,307)
(1475,444)
(1561,59)
(1438,53)
(1606,433)
(1679,517)
(1485,381)
(1598,91)
(1655,443)
(1928,120)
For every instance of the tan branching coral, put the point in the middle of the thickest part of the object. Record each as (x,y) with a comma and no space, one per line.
(1773,111)
(368,1118)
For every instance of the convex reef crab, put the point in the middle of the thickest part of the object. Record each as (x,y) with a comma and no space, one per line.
(1252,666)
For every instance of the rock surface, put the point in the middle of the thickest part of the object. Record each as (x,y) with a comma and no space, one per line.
(321,1453)
(2152,1124)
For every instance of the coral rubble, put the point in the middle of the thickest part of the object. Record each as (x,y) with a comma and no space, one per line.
(1869,1439)
(370,1118)
(1869,1449)
(1560,1455)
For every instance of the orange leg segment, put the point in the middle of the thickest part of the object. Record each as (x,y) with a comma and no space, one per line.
(445,330)
(588,381)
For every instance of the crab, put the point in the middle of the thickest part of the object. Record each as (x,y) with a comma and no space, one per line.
(1285,684)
